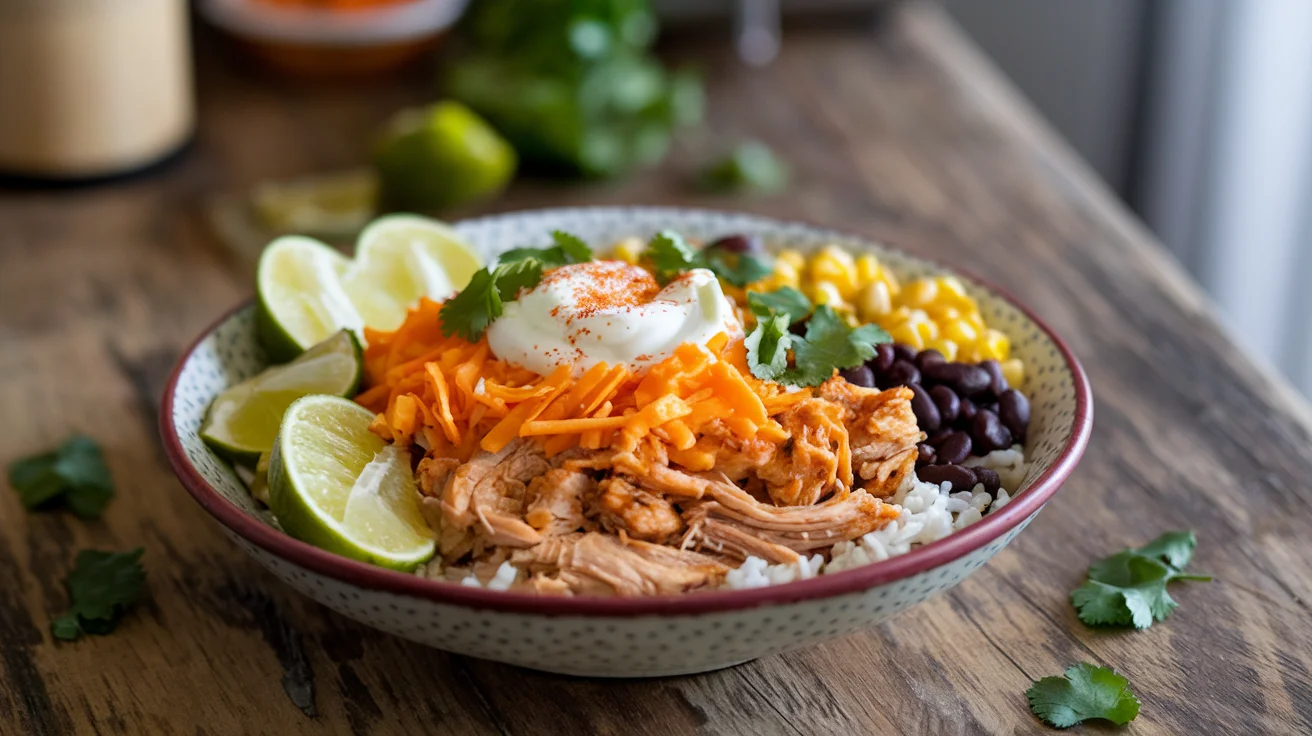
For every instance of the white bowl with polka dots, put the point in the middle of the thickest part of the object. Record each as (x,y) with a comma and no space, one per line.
(631,637)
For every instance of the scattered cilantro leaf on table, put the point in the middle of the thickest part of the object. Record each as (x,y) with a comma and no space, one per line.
(101,587)
(75,474)
(784,300)
(1084,693)
(829,344)
(1129,587)
(750,167)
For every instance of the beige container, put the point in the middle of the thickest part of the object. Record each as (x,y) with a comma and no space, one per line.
(92,88)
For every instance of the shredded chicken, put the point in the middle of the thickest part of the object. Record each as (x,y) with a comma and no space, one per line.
(814,460)
(596,562)
(883,433)
(556,499)
(640,514)
(483,500)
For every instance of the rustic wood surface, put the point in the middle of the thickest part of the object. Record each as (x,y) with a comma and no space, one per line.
(899,132)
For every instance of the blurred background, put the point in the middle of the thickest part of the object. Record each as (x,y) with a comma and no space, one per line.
(1195,113)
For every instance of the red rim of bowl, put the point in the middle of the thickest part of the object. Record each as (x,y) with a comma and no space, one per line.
(363,575)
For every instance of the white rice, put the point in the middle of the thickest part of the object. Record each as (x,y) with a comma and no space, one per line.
(505,576)
(927,513)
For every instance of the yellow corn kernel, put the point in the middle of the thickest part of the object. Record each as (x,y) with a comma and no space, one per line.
(949,348)
(951,289)
(867,270)
(890,278)
(835,265)
(825,292)
(1014,371)
(629,250)
(943,312)
(899,314)
(926,328)
(785,274)
(792,258)
(976,321)
(874,301)
(993,346)
(960,331)
(907,335)
(920,293)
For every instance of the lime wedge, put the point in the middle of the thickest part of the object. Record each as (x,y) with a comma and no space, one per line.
(302,301)
(332,205)
(336,485)
(400,258)
(243,421)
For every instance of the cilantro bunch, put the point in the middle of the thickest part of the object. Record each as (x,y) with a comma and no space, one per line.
(468,313)
(1129,588)
(829,343)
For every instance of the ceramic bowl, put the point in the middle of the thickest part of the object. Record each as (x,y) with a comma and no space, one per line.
(630,637)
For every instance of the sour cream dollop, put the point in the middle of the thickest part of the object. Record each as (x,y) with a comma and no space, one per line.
(612,312)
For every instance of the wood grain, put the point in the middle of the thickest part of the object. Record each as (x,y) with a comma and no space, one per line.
(899,132)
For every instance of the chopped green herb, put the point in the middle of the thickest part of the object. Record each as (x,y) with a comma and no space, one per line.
(671,255)
(102,586)
(1129,587)
(1084,693)
(468,313)
(830,344)
(568,249)
(784,300)
(751,166)
(75,474)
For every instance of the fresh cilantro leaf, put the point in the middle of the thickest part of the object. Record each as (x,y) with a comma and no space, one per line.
(671,255)
(75,473)
(568,249)
(1177,548)
(751,166)
(511,277)
(1084,693)
(831,345)
(784,300)
(739,269)
(1129,587)
(767,347)
(468,313)
(102,586)
(572,246)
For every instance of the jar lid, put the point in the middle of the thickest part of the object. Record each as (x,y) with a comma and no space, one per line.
(324,27)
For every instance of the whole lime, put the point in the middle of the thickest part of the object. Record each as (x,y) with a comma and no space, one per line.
(440,156)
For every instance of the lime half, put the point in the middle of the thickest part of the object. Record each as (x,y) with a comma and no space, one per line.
(302,301)
(336,485)
(243,421)
(400,258)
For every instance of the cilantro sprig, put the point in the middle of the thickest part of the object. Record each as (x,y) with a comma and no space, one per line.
(1129,587)
(1083,693)
(469,313)
(74,474)
(829,344)
(671,255)
(101,588)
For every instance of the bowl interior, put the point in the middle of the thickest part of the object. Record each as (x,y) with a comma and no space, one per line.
(230,352)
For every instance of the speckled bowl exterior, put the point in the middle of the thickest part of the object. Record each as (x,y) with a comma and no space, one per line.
(631,637)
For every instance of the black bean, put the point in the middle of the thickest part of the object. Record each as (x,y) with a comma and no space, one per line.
(936,438)
(968,410)
(924,454)
(901,373)
(1014,411)
(955,449)
(994,369)
(949,405)
(988,432)
(926,412)
(989,477)
(961,477)
(904,352)
(738,243)
(884,357)
(929,357)
(964,378)
(859,376)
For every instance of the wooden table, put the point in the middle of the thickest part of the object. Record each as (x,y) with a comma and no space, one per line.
(903,134)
